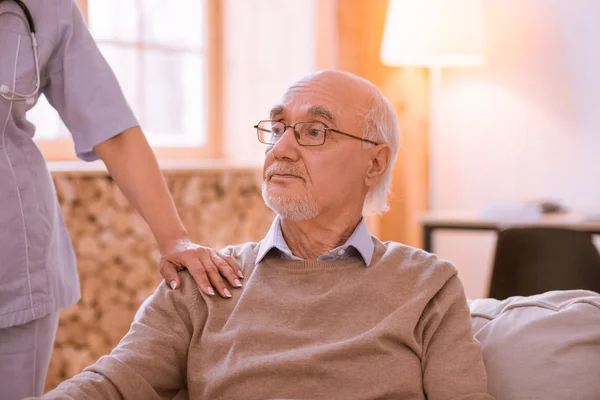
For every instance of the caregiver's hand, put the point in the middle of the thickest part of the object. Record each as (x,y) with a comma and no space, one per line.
(207,266)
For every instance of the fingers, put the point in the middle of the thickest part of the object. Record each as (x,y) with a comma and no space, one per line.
(230,272)
(214,267)
(201,276)
(209,269)
(169,274)
(232,263)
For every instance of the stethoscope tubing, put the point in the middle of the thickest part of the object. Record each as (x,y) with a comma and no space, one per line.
(5,91)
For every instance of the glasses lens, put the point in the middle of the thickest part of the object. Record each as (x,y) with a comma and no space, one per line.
(310,133)
(269,132)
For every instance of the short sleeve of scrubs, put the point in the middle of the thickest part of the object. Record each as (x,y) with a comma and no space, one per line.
(82,87)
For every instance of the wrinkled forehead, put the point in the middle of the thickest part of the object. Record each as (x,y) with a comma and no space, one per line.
(334,105)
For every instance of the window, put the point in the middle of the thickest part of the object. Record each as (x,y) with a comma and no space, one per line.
(158,51)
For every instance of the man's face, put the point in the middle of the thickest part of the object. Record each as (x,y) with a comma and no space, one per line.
(303,182)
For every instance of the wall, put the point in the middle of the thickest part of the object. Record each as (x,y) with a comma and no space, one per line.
(524,126)
(360,30)
(268,44)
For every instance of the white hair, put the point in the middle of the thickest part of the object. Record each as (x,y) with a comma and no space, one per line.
(381,126)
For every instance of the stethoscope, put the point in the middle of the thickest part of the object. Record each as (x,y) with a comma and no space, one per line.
(6,91)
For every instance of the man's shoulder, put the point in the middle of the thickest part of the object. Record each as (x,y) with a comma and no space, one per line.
(244,253)
(406,260)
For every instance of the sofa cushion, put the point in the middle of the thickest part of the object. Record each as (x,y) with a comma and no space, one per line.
(545,346)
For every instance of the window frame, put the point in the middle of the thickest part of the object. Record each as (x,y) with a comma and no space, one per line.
(63,149)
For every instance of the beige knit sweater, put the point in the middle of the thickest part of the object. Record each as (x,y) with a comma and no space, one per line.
(399,329)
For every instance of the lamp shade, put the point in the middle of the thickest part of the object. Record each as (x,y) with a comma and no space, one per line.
(434,33)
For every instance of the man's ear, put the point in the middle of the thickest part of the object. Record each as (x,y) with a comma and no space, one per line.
(380,157)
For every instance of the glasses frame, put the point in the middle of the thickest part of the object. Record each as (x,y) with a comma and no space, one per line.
(327,129)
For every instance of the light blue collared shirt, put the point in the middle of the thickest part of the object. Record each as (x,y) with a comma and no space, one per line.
(360,242)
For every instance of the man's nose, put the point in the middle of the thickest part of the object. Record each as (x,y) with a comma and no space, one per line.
(287,147)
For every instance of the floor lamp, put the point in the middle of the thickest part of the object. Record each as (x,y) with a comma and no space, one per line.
(434,34)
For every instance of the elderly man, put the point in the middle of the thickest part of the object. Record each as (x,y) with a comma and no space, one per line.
(328,311)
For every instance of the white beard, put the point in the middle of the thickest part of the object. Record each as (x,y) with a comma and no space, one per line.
(300,207)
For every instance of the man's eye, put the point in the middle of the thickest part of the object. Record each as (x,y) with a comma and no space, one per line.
(316,132)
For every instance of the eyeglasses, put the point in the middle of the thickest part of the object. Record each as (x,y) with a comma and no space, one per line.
(311,133)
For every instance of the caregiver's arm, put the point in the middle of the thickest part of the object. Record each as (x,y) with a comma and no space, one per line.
(134,168)
(84,90)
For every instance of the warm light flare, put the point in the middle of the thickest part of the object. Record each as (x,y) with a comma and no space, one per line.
(432,33)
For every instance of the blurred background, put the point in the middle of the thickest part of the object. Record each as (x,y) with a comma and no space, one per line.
(497,104)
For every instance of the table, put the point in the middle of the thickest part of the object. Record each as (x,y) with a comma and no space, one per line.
(473,221)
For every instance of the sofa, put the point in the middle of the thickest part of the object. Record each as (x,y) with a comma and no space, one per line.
(542,347)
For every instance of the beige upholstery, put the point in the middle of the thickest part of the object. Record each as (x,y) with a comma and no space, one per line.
(544,347)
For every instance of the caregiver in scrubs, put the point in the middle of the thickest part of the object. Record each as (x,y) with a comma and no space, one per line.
(45,48)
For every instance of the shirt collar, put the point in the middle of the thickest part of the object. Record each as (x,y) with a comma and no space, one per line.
(360,240)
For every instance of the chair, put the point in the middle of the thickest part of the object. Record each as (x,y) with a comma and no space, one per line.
(532,260)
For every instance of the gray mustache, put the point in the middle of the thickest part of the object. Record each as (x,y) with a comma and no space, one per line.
(283,169)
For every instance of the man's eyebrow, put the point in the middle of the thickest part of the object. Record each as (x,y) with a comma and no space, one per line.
(323,112)
(314,111)
(276,110)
